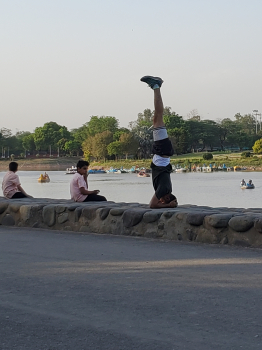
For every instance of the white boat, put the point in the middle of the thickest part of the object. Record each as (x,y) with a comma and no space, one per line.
(71,171)
(180,170)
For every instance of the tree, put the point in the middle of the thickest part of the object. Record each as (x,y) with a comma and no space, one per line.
(114,148)
(97,125)
(72,147)
(257,148)
(96,146)
(207,156)
(28,143)
(145,118)
(49,135)
(128,143)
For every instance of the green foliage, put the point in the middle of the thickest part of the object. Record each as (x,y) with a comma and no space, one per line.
(207,156)
(51,134)
(246,154)
(114,148)
(257,148)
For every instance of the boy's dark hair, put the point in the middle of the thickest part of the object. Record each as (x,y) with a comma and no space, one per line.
(13,166)
(82,163)
(172,197)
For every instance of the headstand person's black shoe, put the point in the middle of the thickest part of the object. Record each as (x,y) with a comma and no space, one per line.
(152,81)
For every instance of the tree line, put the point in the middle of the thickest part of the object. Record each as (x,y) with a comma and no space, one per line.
(103,138)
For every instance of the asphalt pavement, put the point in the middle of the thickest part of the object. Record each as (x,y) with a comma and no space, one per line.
(61,290)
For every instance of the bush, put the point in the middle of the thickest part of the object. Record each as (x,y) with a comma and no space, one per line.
(257,148)
(207,156)
(246,154)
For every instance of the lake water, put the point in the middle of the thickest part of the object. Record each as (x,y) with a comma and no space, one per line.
(212,189)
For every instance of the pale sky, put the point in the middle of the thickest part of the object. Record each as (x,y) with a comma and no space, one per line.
(65,60)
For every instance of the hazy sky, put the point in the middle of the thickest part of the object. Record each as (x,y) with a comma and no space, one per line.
(65,60)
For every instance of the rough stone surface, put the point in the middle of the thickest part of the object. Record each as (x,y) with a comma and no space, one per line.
(258,225)
(60,209)
(196,219)
(62,218)
(117,211)
(187,222)
(8,220)
(132,217)
(3,207)
(49,215)
(218,220)
(15,207)
(103,213)
(151,216)
(241,223)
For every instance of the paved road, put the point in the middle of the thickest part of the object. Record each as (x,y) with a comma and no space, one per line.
(72,291)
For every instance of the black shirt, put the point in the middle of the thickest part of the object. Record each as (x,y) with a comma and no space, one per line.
(161,179)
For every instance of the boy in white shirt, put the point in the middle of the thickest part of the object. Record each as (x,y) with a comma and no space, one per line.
(11,185)
(79,186)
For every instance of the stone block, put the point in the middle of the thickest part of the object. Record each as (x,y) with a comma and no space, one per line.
(195,218)
(72,207)
(25,212)
(49,215)
(103,213)
(89,212)
(78,213)
(151,216)
(8,220)
(218,220)
(117,211)
(133,217)
(60,209)
(62,218)
(191,235)
(258,225)
(241,223)
(168,214)
(3,207)
(14,207)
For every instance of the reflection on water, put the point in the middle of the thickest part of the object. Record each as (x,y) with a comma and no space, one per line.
(219,189)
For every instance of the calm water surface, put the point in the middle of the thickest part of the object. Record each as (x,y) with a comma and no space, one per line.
(211,189)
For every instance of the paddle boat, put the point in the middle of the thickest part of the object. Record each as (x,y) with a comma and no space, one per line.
(142,173)
(44,178)
(96,171)
(248,186)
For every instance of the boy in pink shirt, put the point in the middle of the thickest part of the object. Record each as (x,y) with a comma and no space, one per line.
(79,186)
(11,185)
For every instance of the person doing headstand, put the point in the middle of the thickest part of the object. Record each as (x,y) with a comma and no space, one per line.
(162,151)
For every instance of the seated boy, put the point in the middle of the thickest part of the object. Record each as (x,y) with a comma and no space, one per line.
(11,185)
(79,186)
(162,150)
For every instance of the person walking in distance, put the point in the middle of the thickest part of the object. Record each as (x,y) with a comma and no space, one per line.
(162,151)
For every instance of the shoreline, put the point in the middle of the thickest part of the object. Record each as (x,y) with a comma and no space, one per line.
(62,163)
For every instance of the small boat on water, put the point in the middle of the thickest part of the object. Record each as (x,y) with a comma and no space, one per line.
(142,173)
(96,171)
(180,170)
(44,178)
(248,187)
(71,171)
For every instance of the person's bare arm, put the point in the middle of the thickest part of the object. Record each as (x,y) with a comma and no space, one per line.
(84,191)
(156,204)
(20,188)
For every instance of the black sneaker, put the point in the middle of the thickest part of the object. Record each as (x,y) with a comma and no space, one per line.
(152,81)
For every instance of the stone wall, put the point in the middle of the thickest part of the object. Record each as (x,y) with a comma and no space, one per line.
(186,223)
